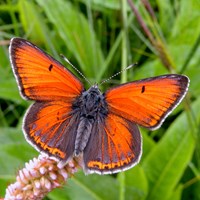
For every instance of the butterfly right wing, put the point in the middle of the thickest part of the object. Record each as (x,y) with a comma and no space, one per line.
(51,128)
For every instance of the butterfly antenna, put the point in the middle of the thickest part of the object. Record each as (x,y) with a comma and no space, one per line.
(75,68)
(126,68)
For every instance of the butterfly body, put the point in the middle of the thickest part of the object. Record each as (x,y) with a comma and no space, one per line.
(90,106)
(66,120)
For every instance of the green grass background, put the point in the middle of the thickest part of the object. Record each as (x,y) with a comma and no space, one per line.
(101,37)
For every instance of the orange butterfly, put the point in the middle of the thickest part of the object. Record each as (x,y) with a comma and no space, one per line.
(66,120)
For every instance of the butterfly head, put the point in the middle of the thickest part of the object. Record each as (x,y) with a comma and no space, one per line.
(95,89)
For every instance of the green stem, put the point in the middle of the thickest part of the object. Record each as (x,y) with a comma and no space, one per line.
(124,64)
(124,40)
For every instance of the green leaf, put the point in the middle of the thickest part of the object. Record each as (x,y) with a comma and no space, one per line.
(177,193)
(30,19)
(9,90)
(3,184)
(166,15)
(77,34)
(14,151)
(103,5)
(91,187)
(136,184)
(148,143)
(59,193)
(185,31)
(166,163)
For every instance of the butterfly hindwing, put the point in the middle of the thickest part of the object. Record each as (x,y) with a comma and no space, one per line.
(51,127)
(147,102)
(114,145)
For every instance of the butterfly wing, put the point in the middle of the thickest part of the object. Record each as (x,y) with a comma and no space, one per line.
(147,102)
(51,127)
(40,77)
(50,123)
(114,145)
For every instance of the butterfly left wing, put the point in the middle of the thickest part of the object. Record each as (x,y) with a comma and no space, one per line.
(149,101)
(114,145)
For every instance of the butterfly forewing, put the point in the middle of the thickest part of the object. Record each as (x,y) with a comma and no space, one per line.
(147,102)
(40,77)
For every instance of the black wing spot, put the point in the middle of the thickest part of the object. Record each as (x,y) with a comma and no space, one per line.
(50,67)
(57,117)
(143,89)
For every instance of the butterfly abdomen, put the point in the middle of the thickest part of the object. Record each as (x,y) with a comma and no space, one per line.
(91,106)
(83,134)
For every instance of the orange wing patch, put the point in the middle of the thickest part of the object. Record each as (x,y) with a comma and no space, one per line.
(50,127)
(40,76)
(118,146)
(147,102)
(53,151)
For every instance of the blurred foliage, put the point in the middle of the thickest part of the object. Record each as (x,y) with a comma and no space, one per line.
(101,37)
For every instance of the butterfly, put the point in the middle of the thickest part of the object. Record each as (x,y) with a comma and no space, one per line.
(67,121)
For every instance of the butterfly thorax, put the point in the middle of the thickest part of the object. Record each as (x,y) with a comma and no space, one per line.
(91,106)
